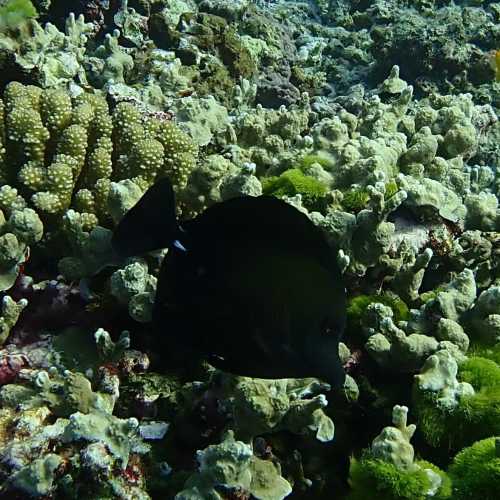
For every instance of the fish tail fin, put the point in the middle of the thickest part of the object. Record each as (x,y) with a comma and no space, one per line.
(150,224)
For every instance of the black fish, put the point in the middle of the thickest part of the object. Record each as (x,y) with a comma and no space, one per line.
(250,284)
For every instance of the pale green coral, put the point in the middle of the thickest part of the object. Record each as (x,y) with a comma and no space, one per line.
(135,287)
(389,345)
(438,377)
(201,118)
(429,196)
(111,62)
(372,235)
(109,351)
(387,470)
(451,301)
(9,315)
(91,246)
(55,57)
(117,434)
(123,195)
(37,478)
(34,430)
(205,182)
(229,466)
(261,406)
(22,229)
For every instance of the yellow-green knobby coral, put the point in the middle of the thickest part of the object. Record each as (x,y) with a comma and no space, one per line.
(60,152)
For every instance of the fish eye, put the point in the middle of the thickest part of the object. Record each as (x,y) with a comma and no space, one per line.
(327,328)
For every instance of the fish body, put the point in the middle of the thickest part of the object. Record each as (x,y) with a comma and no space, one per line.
(250,284)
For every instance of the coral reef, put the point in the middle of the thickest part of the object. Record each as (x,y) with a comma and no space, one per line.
(378,120)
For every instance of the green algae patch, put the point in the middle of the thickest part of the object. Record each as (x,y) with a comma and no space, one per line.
(379,480)
(355,200)
(14,13)
(359,304)
(294,181)
(475,471)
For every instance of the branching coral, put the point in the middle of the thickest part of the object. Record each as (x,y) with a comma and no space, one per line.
(231,468)
(63,153)
(10,312)
(388,471)
(261,406)
(51,413)
(458,412)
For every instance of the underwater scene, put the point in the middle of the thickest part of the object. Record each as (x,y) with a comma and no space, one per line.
(249,249)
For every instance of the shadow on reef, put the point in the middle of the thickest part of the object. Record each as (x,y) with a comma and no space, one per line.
(100,12)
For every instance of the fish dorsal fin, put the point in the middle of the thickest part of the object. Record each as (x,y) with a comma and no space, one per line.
(150,224)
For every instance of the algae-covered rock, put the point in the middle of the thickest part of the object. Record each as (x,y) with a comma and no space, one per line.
(475,470)
(439,377)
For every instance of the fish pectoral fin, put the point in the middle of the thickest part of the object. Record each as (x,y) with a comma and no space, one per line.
(261,342)
(219,362)
(287,349)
